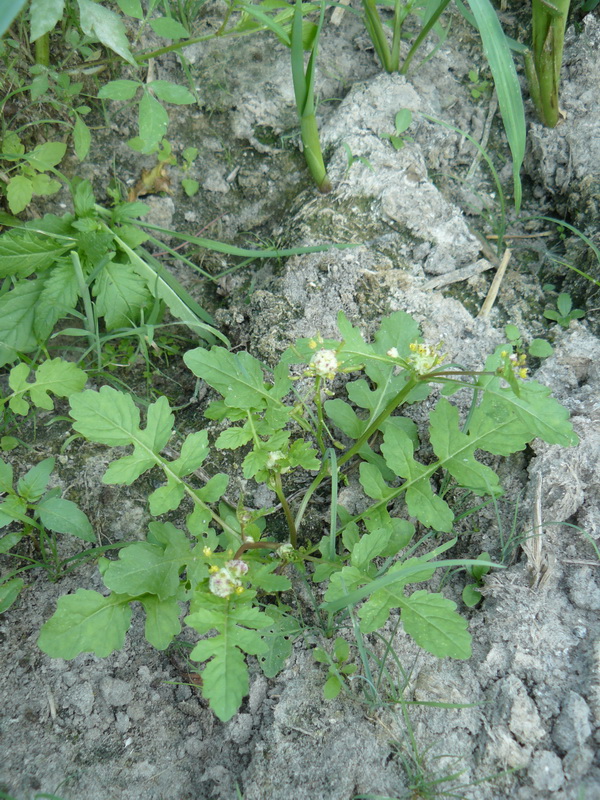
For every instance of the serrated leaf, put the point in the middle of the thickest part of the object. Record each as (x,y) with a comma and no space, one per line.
(169,28)
(421,502)
(58,297)
(369,547)
(33,484)
(120,295)
(100,22)
(44,14)
(63,516)
(341,649)
(9,592)
(237,376)
(22,254)
(172,93)
(431,620)
(153,120)
(143,568)
(455,451)
(17,313)
(540,348)
(279,639)
(86,622)
(162,620)
(19,192)
(234,437)
(119,90)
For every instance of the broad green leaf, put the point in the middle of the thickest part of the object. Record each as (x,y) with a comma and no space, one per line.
(169,28)
(369,547)
(142,568)
(8,541)
(119,90)
(172,93)
(22,254)
(373,483)
(421,502)
(13,509)
(42,184)
(332,687)
(214,488)
(105,25)
(33,484)
(107,417)
(86,622)
(62,378)
(128,469)
(8,12)
(47,155)
(375,612)
(9,592)
(455,451)
(193,453)
(82,138)
(265,579)
(232,438)
(431,620)
(19,192)
(63,516)
(162,620)
(153,120)
(58,297)
(6,476)
(344,581)
(44,14)
(190,186)
(120,295)
(344,417)
(133,8)
(17,314)
(237,376)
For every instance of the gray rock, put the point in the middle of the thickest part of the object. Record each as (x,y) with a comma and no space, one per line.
(573,725)
(116,692)
(546,772)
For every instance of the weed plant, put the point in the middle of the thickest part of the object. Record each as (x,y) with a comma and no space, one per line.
(231,572)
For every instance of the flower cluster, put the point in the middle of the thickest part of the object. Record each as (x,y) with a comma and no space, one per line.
(227,580)
(324,364)
(424,357)
(517,363)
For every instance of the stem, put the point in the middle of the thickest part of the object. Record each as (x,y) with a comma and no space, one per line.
(320,423)
(84,293)
(377,34)
(42,50)
(549,20)
(423,34)
(286,510)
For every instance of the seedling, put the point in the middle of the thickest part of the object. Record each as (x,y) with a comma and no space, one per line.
(471,594)
(479,88)
(25,175)
(564,312)
(403,121)
(339,668)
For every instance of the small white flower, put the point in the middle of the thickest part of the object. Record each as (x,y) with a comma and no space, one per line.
(237,567)
(393,352)
(324,364)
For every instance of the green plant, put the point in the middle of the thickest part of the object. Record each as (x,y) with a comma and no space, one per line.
(24,175)
(564,312)
(403,121)
(339,668)
(543,62)
(232,567)
(471,594)
(479,88)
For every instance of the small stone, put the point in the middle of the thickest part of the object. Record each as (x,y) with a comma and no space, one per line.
(116,692)
(577,762)
(573,725)
(81,697)
(546,772)
(240,729)
(122,722)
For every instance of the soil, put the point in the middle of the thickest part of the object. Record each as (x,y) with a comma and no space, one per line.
(134,725)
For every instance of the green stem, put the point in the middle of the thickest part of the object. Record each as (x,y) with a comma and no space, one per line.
(42,50)
(321,422)
(423,34)
(549,20)
(377,34)
(90,318)
(286,510)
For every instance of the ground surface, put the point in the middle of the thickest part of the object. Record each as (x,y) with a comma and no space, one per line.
(130,726)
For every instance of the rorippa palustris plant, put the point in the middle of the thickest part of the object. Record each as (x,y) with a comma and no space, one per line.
(229,570)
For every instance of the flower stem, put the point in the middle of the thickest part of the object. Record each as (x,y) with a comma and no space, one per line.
(286,510)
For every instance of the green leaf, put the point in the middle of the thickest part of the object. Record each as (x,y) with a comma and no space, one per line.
(333,686)
(86,622)
(82,138)
(214,488)
(153,120)
(341,649)
(421,502)
(172,93)
(9,592)
(58,297)
(225,677)
(455,451)
(8,12)
(8,541)
(162,620)
(47,155)
(279,639)
(431,620)
(42,184)
(143,568)
(6,477)
(373,483)
(166,498)
(190,186)
(44,14)
(63,516)
(62,378)
(193,453)
(107,417)
(19,192)
(23,254)
(237,376)
(169,28)
(105,25)
(119,90)
(369,547)
(564,303)
(33,484)
(232,438)
(120,295)
(471,595)
(540,348)
(17,313)
(132,8)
